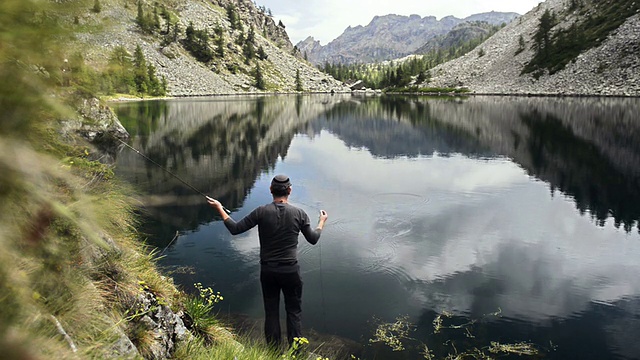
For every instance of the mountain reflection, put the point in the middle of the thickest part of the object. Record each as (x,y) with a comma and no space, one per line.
(585,148)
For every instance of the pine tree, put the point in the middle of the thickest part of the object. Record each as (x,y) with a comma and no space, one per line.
(140,71)
(521,45)
(251,37)
(153,83)
(156,17)
(164,86)
(233,17)
(259,79)
(298,81)
(140,17)
(120,71)
(262,55)
(542,38)
(96,6)
(248,51)
(220,44)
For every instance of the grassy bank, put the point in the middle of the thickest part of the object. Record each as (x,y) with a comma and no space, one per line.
(76,280)
(73,269)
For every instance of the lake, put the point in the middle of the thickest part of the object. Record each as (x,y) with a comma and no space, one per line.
(471,219)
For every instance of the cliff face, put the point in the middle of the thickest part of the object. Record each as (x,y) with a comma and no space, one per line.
(610,68)
(388,37)
(185,75)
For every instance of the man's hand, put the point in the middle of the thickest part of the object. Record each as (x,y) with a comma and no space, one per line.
(218,206)
(321,220)
(214,203)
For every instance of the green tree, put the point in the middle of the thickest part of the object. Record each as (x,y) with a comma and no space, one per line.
(197,43)
(156,17)
(144,20)
(140,71)
(233,17)
(251,36)
(542,38)
(298,81)
(259,78)
(262,55)
(96,6)
(140,16)
(171,36)
(521,45)
(153,83)
(120,70)
(249,52)
(219,40)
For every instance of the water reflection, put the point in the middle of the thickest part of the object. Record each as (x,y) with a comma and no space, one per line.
(586,148)
(527,205)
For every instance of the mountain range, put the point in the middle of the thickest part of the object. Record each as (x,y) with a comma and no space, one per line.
(609,65)
(389,37)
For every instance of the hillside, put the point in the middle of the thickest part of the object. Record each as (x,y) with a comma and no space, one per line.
(595,53)
(388,37)
(116,25)
(459,35)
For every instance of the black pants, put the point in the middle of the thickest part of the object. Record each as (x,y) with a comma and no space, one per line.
(286,279)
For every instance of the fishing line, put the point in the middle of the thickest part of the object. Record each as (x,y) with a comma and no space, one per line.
(171,242)
(324,314)
(167,171)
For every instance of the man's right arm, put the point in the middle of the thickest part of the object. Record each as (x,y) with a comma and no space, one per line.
(234,227)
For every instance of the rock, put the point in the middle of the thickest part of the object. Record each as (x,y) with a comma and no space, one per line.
(166,326)
(100,126)
(171,51)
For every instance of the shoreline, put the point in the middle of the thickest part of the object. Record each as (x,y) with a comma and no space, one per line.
(122,99)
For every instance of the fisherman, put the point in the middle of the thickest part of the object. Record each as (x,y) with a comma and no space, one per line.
(279,224)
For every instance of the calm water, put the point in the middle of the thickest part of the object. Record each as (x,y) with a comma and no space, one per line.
(524,206)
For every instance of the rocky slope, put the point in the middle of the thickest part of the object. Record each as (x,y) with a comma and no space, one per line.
(185,75)
(612,68)
(388,37)
(459,35)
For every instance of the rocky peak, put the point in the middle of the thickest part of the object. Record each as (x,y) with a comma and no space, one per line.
(388,37)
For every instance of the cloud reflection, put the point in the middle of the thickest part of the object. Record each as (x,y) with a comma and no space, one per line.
(485,237)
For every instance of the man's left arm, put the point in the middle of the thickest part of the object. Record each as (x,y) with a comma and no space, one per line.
(313,235)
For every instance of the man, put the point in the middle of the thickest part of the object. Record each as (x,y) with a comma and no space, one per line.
(279,224)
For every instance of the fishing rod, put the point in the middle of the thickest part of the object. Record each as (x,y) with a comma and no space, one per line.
(168,172)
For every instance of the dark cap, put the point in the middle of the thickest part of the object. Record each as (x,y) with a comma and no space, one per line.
(281,181)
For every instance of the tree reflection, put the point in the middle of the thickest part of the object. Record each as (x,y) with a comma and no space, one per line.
(579,169)
(590,154)
(586,148)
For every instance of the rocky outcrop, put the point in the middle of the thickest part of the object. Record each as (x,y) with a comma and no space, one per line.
(98,124)
(167,327)
(388,37)
(612,68)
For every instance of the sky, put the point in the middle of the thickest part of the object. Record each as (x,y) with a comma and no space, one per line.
(325,20)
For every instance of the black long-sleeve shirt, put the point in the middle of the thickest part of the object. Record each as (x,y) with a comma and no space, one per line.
(278,227)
